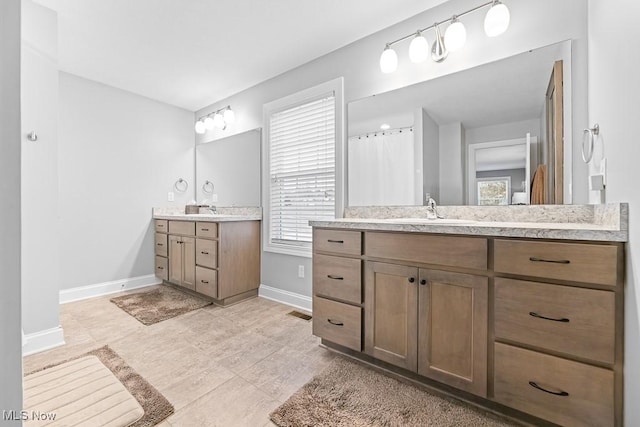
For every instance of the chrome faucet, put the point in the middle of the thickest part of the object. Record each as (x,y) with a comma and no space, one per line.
(213,209)
(432,212)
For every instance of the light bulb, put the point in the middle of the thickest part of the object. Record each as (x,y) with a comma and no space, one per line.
(497,20)
(229,115)
(455,36)
(419,48)
(218,121)
(200,128)
(388,60)
(208,123)
(385,126)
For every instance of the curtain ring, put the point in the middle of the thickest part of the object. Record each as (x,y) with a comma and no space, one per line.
(207,187)
(589,134)
(181,185)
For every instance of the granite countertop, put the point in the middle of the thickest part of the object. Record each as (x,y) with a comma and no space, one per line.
(585,222)
(223,214)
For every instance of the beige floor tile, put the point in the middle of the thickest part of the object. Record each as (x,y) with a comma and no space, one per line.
(188,388)
(234,403)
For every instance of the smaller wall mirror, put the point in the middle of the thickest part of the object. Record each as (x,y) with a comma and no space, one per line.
(228,170)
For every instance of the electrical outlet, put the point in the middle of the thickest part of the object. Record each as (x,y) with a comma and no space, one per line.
(170,196)
(301,271)
(214,198)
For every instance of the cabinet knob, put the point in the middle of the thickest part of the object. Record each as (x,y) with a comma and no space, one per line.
(423,281)
(412,279)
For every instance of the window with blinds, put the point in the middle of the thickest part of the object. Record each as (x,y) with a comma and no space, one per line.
(302,141)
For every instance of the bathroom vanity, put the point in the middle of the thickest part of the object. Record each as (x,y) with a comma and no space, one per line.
(521,315)
(217,255)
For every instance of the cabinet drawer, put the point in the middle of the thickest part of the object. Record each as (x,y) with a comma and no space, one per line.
(565,261)
(161,244)
(576,321)
(337,277)
(207,230)
(185,228)
(337,322)
(162,268)
(576,394)
(453,251)
(338,241)
(161,225)
(207,281)
(207,253)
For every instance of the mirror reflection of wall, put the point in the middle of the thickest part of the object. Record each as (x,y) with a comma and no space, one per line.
(232,167)
(500,101)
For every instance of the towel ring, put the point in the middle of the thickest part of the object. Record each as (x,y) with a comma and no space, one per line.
(207,187)
(181,185)
(589,134)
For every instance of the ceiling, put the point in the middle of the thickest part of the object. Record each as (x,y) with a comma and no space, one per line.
(196,52)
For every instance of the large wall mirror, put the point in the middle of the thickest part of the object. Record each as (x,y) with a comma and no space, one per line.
(228,170)
(490,135)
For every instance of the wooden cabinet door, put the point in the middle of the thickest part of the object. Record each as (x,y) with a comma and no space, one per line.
(391,313)
(175,259)
(453,317)
(189,263)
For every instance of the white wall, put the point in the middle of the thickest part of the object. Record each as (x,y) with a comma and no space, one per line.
(502,132)
(10,316)
(431,157)
(614,90)
(451,140)
(39,87)
(534,24)
(119,155)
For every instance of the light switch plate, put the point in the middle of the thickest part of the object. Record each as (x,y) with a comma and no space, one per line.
(170,196)
(214,198)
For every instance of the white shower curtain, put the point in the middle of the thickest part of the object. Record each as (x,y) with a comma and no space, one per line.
(381,169)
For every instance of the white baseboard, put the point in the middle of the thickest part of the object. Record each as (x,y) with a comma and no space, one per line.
(290,298)
(106,288)
(42,340)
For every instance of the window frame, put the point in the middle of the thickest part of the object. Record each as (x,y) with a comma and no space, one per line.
(335,87)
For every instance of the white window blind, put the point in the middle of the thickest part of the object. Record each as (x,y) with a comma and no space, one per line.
(302,169)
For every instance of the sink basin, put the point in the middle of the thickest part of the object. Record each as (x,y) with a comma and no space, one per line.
(439,221)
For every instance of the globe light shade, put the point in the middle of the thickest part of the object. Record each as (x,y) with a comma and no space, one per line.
(229,115)
(200,128)
(388,60)
(208,123)
(497,20)
(418,49)
(455,37)
(218,121)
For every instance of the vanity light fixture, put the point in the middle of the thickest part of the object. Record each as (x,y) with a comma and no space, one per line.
(496,22)
(217,119)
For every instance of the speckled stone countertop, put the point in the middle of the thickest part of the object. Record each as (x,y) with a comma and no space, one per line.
(223,214)
(566,222)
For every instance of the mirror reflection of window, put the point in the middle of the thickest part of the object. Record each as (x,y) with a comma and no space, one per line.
(493,191)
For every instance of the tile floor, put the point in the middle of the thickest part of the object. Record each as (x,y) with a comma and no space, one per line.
(217,366)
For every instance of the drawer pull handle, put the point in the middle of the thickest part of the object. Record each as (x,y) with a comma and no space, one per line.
(204,281)
(160,268)
(556,393)
(160,225)
(335,241)
(423,281)
(160,244)
(204,252)
(335,323)
(412,279)
(204,229)
(555,261)
(331,276)
(562,319)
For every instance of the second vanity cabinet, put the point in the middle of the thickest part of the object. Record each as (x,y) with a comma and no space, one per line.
(217,259)
(533,325)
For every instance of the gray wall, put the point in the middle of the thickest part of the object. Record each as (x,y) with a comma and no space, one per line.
(613,103)
(119,155)
(534,24)
(39,86)
(10,336)
(451,138)
(430,157)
